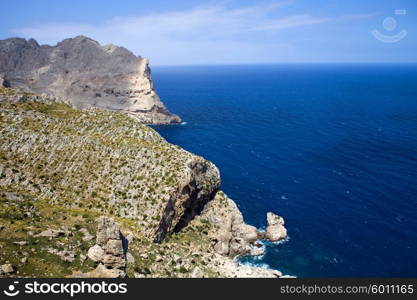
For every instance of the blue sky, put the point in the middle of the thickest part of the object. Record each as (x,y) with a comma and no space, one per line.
(226,32)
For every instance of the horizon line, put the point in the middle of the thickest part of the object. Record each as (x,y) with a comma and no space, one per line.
(284,63)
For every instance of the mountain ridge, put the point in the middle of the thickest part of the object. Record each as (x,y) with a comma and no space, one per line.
(85,74)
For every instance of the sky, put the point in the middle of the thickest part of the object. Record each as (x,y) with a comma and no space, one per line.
(189,32)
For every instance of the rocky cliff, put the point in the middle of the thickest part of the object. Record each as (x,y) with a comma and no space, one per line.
(85,74)
(67,176)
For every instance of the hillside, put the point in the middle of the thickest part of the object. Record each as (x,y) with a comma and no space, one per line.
(62,170)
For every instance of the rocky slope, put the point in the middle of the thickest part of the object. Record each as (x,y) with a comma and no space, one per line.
(90,193)
(85,74)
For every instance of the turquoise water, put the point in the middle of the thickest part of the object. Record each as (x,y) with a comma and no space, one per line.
(331,148)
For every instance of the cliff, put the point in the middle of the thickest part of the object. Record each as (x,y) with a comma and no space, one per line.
(85,74)
(95,193)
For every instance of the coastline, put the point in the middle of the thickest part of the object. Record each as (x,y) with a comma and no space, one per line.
(194,229)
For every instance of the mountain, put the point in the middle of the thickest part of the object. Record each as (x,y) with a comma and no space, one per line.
(85,74)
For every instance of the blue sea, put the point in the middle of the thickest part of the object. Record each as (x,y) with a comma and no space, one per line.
(332,148)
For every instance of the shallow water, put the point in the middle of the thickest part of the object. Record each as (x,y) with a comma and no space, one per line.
(331,148)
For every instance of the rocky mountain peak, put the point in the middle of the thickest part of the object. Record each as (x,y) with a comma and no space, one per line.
(86,74)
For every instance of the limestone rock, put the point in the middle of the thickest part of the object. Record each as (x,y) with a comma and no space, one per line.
(106,231)
(231,268)
(20,243)
(275,230)
(7,268)
(82,72)
(95,253)
(110,251)
(257,251)
(197,187)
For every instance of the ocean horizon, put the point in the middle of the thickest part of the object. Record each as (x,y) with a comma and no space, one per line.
(330,147)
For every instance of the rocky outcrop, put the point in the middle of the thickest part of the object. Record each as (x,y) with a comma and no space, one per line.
(82,72)
(109,252)
(275,230)
(234,237)
(196,188)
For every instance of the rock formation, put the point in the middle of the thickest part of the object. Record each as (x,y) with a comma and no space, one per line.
(110,251)
(235,237)
(84,73)
(275,230)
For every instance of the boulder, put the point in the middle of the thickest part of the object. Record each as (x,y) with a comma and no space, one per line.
(7,268)
(110,251)
(52,233)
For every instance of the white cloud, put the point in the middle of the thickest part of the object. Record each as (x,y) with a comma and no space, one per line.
(200,35)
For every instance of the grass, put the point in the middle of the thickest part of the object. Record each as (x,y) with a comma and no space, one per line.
(71,166)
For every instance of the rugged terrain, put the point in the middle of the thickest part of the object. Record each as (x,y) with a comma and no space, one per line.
(95,193)
(85,74)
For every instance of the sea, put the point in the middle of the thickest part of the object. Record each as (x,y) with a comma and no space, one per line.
(330,147)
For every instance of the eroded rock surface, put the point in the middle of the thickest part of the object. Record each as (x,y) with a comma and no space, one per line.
(234,237)
(109,252)
(275,230)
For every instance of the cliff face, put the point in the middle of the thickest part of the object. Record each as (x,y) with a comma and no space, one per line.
(85,74)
